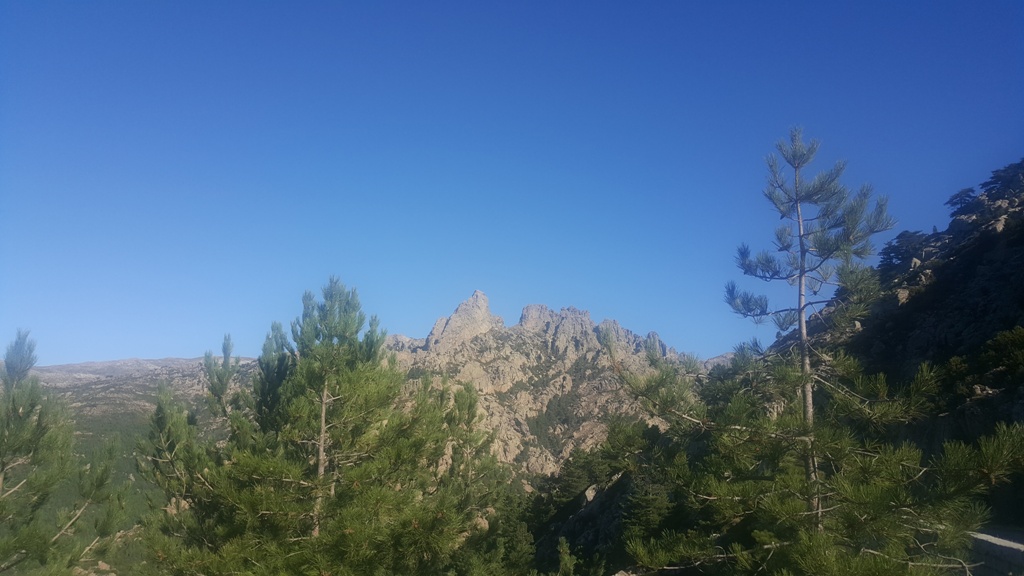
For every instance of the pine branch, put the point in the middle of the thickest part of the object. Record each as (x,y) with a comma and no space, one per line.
(795,309)
(71,522)
(81,557)
(17,558)
(13,490)
(710,426)
(959,563)
(725,556)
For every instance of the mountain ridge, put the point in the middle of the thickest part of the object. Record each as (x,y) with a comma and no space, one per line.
(545,384)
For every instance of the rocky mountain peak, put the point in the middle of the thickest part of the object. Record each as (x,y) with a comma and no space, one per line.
(537,318)
(471,318)
(545,384)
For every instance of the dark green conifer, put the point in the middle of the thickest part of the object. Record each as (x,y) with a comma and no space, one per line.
(36,463)
(732,492)
(784,465)
(827,231)
(332,466)
(219,375)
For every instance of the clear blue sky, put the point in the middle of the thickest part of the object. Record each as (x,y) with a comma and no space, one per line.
(173,171)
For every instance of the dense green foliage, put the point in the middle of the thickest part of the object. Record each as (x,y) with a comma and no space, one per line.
(719,486)
(37,466)
(329,465)
(737,488)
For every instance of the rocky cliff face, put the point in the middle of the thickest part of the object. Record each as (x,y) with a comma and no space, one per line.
(949,292)
(545,384)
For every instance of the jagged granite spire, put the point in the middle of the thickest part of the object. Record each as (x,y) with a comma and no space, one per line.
(545,384)
(472,318)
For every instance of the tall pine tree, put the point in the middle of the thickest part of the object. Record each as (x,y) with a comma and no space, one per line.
(827,232)
(784,465)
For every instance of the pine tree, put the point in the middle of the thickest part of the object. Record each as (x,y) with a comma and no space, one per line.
(332,465)
(36,463)
(784,465)
(219,375)
(729,472)
(827,233)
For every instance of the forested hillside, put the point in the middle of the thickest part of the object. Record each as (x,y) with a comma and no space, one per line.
(872,438)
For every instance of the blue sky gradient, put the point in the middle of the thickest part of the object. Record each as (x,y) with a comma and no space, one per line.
(173,171)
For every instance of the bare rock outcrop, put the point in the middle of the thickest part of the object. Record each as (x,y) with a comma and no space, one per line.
(472,318)
(951,291)
(545,384)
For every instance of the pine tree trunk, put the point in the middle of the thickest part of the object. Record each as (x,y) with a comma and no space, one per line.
(321,460)
(807,384)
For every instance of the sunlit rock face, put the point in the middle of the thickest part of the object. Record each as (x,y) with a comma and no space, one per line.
(472,318)
(545,384)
